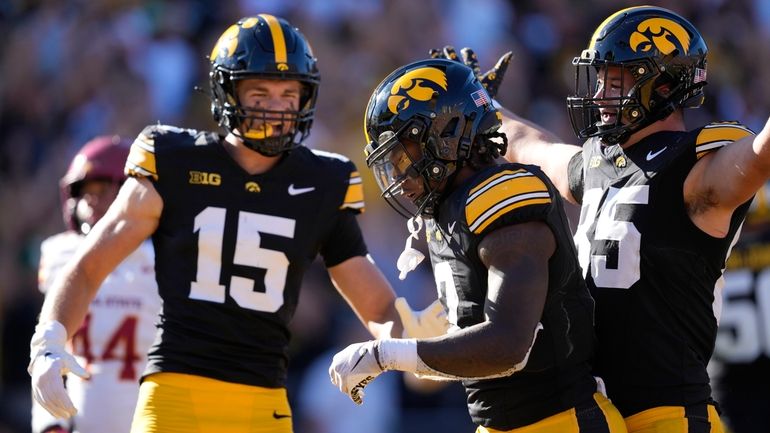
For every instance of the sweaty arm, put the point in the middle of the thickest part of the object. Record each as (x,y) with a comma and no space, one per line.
(529,143)
(723,180)
(131,219)
(517,261)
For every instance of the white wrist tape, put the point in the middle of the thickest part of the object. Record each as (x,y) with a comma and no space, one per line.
(398,354)
(401,354)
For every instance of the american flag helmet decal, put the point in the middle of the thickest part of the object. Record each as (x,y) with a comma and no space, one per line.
(480,97)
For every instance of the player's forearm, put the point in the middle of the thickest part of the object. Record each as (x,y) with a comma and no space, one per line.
(388,316)
(522,134)
(67,301)
(485,351)
(369,294)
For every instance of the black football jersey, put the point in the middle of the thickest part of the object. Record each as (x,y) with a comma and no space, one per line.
(557,375)
(231,249)
(652,272)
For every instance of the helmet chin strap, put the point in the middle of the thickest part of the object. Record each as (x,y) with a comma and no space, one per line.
(410,257)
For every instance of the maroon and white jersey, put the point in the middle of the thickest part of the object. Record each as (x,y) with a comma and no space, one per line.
(113,340)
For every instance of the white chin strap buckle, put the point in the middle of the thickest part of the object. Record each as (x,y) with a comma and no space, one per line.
(410,257)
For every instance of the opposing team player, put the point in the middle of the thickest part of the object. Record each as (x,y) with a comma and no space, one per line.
(502,254)
(235,220)
(112,341)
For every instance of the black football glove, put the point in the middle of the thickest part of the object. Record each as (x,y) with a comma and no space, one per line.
(491,79)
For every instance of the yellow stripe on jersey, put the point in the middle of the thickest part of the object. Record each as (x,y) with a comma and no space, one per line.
(501,194)
(492,179)
(141,158)
(279,43)
(354,197)
(716,135)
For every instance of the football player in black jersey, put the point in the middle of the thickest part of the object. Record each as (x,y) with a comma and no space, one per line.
(742,351)
(505,266)
(660,207)
(235,222)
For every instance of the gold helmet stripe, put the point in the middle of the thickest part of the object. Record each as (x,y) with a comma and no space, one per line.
(604,23)
(279,43)
(367,140)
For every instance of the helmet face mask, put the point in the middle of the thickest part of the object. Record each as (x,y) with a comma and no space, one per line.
(268,48)
(664,59)
(421,123)
(408,176)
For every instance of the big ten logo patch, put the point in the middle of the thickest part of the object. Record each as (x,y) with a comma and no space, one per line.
(203,178)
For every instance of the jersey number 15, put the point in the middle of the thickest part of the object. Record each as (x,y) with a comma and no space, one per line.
(210,225)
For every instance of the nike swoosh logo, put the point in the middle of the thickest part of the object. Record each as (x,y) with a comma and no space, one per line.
(651,155)
(451,227)
(358,361)
(276,415)
(298,191)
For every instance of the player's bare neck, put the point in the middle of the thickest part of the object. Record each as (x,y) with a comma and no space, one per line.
(674,122)
(250,161)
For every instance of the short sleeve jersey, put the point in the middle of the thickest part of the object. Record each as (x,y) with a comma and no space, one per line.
(231,249)
(655,276)
(556,376)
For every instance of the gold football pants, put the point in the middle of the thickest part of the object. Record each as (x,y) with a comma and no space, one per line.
(173,402)
(676,419)
(599,417)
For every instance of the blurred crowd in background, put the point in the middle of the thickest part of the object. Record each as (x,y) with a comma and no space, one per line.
(76,69)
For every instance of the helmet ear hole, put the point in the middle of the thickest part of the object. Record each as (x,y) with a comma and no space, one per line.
(450,130)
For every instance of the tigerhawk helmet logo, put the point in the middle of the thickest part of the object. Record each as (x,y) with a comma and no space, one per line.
(662,33)
(412,86)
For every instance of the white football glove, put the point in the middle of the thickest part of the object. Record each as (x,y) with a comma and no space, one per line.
(49,361)
(430,322)
(354,367)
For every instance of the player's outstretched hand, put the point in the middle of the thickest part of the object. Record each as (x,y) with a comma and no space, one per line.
(430,322)
(491,79)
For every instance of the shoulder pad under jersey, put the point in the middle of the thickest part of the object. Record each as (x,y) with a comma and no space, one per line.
(505,193)
(718,134)
(141,158)
(354,197)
